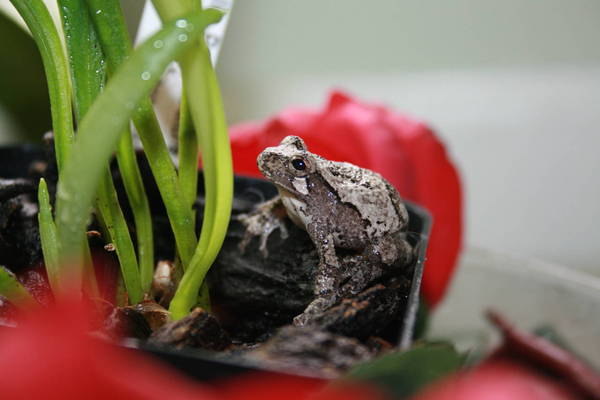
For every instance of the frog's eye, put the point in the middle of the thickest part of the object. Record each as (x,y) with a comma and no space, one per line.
(299,164)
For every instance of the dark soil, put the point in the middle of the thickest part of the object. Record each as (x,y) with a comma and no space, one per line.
(254,298)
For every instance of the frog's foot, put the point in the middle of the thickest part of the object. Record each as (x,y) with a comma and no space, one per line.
(315,308)
(261,222)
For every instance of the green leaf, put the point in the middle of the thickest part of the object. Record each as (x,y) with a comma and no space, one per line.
(12,289)
(206,106)
(40,23)
(88,75)
(110,25)
(107,119)
(48,236)
(187,153)
(84,54)
(404,374)
(202,88)
(115,222)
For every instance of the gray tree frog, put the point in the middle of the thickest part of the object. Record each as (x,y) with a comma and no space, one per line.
(340,205)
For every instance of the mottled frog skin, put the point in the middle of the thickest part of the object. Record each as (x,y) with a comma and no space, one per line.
(340,205)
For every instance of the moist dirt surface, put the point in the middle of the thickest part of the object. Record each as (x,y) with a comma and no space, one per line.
(254,298)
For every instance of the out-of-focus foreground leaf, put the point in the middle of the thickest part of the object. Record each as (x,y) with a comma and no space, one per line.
(402,374)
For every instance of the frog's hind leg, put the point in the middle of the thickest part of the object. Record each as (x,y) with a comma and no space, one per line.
(390,250)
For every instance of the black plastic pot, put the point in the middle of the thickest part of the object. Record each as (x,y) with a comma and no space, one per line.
(205,365)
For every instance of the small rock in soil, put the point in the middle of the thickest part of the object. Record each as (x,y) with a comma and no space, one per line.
(164,282)
(19,234)
(309,349)
(10,188)
(127,322)
(366,314)
(198,329)
(155,315)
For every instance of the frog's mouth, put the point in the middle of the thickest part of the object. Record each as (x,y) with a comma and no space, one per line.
(283,186)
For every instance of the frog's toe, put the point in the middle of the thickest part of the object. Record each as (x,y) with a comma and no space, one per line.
(263,244)
(283,232)
(315,308)
(245,241)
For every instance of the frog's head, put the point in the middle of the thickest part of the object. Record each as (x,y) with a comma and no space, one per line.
(288,165)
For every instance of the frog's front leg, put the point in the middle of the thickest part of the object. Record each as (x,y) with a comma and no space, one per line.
(261,222)
(328,271)
(326,278)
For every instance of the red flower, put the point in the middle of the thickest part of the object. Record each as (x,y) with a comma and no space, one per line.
(404,151)
(51,355)
(272,386)
(524,367)
(498,381)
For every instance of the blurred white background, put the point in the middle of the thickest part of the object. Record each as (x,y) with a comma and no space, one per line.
(512,87)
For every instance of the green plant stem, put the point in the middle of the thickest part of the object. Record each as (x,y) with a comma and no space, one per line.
(188,170)
(209,118)
(42,28)
(163,170)
(90,283)
(136,193)
(84,54)
(110,25)
(12,289)
(187,154)
(88,75)
(48,237)
(105,121)
(201,85)
(116,225)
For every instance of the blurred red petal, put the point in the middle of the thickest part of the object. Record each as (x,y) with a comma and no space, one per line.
(404,151)
(51,356)
(267,386)
(497,381)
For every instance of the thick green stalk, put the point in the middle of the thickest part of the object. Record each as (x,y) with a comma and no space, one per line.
(116,225)
(48,237)
(108,22)
(188,153)
(90,283)
(110,25)
(104,122)
(84,54)
(40,23)
(206,105)
(12,289)
(202,89)
(163,170)
(88,75)
(136,193)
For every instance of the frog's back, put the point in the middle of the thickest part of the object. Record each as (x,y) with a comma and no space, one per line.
(377,201)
